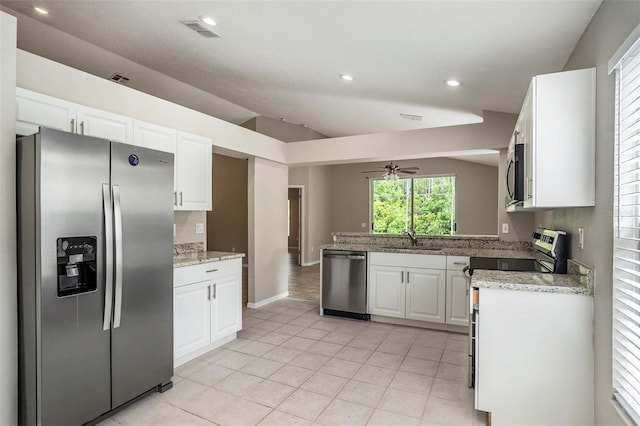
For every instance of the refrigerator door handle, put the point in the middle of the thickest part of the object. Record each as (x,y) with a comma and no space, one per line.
(108,243)
(117,232)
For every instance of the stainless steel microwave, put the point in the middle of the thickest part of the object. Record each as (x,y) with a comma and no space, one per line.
(514,178)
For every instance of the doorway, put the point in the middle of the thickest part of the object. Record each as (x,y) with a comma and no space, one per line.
(294,229)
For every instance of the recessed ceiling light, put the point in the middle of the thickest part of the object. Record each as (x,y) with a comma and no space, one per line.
(208,20)
(346,77)
(453,83)
(40,10)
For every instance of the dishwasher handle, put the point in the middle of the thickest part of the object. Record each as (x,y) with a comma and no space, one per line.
(346,256)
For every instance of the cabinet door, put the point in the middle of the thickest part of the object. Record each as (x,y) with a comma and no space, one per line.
(425,294)
(191,318)
(387,291)
(194,168)
(226,314)
(34,110)
(457,312)
(155,137)
(106,125)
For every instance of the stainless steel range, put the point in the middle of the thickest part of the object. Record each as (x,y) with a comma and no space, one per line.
(550,256)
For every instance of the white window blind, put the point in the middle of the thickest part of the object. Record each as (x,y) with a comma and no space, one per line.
(626,252)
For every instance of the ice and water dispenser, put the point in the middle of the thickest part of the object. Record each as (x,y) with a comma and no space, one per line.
(77,268)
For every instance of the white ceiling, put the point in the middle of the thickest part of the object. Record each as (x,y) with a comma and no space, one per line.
(282,59)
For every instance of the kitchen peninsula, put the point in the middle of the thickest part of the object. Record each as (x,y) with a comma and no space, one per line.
(207,300)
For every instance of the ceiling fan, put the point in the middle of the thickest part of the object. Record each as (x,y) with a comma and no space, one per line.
(392,171)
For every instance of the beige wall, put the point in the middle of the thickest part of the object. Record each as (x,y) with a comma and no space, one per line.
(8,261)
(267,231)
(609,27)
(476,194)
(316,210)
(227,223)
(281,130)
(319,197)
(185,223)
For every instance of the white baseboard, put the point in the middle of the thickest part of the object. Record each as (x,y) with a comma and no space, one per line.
(311,263)
(265,302)
(195,354)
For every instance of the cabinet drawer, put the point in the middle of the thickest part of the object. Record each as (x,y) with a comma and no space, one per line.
(428,261)
(457,262)
(206,271)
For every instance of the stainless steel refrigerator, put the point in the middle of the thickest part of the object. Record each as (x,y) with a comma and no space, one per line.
(95,275)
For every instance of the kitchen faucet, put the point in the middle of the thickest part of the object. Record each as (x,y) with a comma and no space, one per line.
(411,233)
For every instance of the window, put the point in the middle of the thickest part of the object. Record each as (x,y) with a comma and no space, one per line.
(425,204)
(626,238)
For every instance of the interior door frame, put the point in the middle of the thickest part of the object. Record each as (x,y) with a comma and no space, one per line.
(301,217)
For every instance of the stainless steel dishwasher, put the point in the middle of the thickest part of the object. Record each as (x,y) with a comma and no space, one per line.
(344,283)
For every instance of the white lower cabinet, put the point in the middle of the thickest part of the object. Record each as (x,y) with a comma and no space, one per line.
(457,294)
(425,295)
(191,318)
(409,286)
(386,291)
(226,314)
(207,307)
(535,358)
(419,287)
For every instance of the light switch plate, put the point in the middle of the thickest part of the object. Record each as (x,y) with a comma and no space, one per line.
(199,228)
(505,228)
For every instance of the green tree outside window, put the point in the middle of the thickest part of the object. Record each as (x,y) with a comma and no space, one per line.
(426,204)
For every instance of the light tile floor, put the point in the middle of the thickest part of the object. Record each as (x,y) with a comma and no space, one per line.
(289,366)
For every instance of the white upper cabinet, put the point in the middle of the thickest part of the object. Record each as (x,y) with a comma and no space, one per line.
(193,153)
(193,172)
(105,125)
(557,126)
(153,136)
(35,109)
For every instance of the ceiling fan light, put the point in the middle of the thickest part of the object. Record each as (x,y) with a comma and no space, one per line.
(208,20)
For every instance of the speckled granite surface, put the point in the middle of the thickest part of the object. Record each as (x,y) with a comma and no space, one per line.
(579,280)
(376,242)
(449,251)
(194,254)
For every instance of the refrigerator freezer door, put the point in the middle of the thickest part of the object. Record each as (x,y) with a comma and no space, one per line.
(74,348)
(142,341)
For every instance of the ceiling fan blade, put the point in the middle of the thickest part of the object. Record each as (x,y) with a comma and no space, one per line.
(372,171)
(408,168)
(409,172)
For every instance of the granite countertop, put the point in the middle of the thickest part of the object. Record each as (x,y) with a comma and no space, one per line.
(449,251)
(198,257)
(577,282)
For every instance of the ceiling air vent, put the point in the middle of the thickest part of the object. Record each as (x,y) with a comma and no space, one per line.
(118,78)
(197,26)
(411,117)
